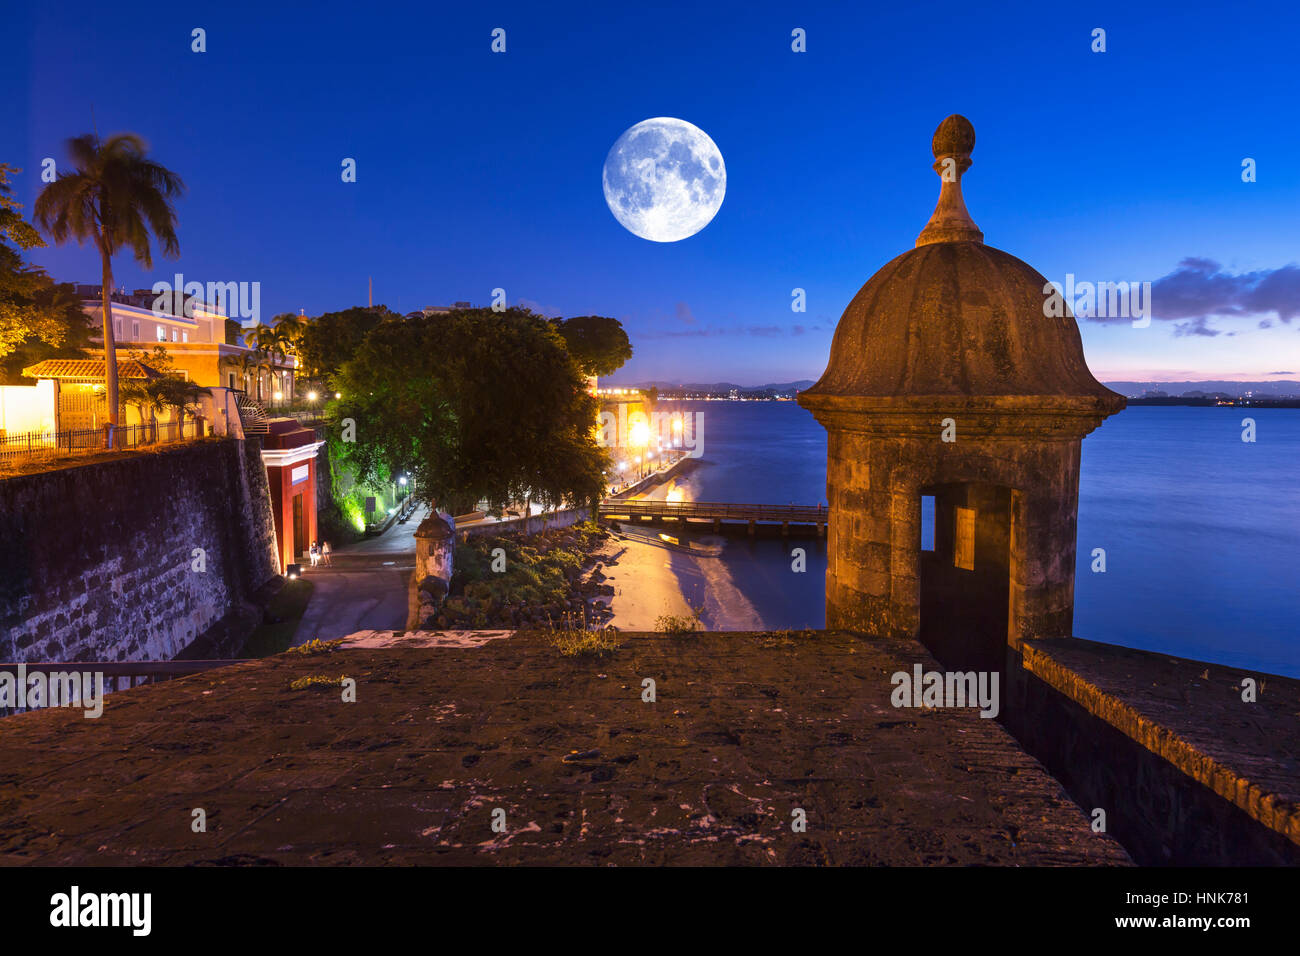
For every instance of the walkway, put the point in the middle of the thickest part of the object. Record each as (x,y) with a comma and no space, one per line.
(365,588)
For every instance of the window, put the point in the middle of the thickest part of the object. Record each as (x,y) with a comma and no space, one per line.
(135,330)
(162,333)
(927,522)
(117,329)
(173,335)
(963,551)
(185,335)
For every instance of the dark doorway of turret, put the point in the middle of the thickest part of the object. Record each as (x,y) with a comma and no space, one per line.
(965,577)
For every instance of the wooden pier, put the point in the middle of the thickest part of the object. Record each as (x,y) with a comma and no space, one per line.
(719,513)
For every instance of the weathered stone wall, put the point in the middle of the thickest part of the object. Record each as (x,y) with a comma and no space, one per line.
(530,525)
(874,486)
(97,560)
(1186,773)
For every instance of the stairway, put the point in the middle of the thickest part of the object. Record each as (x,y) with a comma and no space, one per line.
(252,415)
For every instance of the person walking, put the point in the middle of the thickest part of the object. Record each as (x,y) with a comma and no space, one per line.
(325,553)
(314,551)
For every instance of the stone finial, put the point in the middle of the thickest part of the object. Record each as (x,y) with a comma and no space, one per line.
(952,145)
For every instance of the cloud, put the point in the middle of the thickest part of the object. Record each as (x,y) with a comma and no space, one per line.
(684,313)
(1282,373)
(754,331)
(1200,288)
(1195,327)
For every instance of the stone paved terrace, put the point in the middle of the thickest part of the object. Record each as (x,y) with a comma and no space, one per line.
(746,728)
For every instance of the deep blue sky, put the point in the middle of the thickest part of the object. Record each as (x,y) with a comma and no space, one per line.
(478,170)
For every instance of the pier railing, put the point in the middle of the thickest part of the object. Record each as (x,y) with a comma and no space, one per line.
(715,511)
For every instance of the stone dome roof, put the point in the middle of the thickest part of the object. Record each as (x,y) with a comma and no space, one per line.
(954,318)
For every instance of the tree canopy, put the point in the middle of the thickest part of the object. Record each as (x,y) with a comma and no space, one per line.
(597,343)
(34,311)
(477,405)
(329,340)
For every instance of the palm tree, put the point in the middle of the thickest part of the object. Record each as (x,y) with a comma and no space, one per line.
(273,345)
(113,196)
(168,393)
(265,339)
(290,328)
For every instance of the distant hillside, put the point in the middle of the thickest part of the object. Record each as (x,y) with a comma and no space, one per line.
(715,387)
(1280,389)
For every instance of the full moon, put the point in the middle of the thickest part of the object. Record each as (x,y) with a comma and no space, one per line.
(664,179)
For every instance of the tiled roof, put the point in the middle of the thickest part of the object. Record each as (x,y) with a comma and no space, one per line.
(88,370)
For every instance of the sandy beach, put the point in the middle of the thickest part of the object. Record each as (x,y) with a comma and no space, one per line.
(652,579)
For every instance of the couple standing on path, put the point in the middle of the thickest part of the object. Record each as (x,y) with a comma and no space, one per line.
(320,554)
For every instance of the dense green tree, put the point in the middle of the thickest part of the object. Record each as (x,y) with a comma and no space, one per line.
(329,340)
(597,343)
(36,315)
(113,196)
(75,337)
(477,406)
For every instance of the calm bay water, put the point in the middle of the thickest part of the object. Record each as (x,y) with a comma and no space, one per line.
(1201,530)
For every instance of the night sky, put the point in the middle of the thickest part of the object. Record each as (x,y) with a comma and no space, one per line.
(478,170)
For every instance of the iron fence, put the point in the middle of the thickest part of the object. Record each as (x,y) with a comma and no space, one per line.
(34,445)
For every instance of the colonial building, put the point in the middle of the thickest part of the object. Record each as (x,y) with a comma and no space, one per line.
(195,339)
(951,388)
(70,395)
